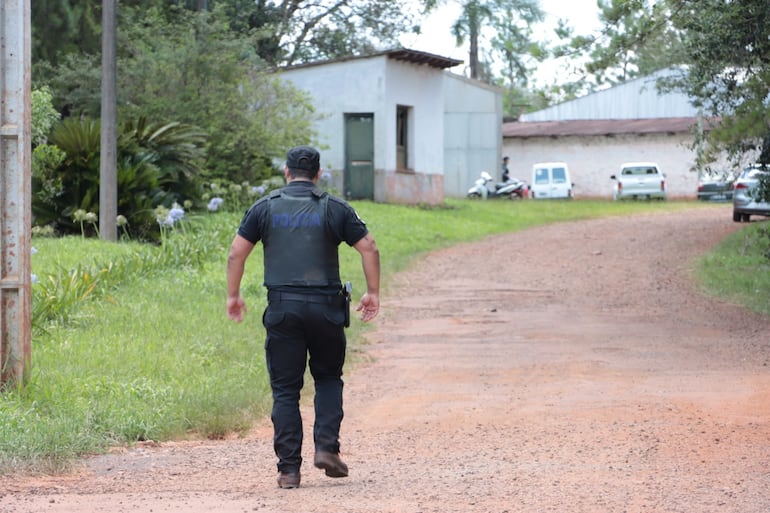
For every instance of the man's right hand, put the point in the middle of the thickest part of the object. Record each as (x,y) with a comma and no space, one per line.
(236,307)
(369,306)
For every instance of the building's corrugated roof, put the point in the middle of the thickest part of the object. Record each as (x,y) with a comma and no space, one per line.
(399,54)
(524,129)
(639,98)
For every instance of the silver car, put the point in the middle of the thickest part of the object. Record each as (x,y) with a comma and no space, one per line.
(745,204)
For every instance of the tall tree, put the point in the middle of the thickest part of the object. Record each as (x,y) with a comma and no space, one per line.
(61,27)
(196,71)
(473,16)
(516,53)
(508,41)
(283,32)
(501,49)
(513,42)
(728,73)
(306,30)
(637,39)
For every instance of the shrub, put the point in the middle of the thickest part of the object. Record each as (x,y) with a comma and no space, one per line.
(158,164)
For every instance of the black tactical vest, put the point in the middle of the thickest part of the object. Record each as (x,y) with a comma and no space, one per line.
(297,249)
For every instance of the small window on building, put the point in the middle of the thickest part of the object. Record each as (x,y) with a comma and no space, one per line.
(403,121)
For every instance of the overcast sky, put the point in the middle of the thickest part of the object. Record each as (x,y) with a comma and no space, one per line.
(437,36)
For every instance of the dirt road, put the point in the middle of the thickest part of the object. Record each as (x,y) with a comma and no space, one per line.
(569,368)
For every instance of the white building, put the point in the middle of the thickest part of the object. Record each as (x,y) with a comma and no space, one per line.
(595,134)
(396,127)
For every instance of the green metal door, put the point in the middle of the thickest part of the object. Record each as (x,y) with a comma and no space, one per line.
(359,156)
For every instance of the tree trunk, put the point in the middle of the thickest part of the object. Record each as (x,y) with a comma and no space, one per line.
(473,57)
(108,162)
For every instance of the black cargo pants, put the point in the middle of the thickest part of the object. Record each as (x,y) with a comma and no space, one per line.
(298,326)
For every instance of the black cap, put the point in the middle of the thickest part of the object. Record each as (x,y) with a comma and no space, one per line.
(303,157)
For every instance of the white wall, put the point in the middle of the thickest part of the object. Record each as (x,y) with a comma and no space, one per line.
(422,88)
(355,86)
(592,160)
(378,85)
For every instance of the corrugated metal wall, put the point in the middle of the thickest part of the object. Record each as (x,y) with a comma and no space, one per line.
(15,221)
(473,136)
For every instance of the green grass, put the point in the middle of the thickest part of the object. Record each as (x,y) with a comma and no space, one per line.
(738,270)
(134,344)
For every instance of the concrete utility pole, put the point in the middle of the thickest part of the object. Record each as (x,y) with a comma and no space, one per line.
(15,191)
(108,159)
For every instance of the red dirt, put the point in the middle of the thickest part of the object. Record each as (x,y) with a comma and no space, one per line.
(573,367)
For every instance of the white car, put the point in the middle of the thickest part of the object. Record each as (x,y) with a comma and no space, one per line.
(744,202)
(639,180)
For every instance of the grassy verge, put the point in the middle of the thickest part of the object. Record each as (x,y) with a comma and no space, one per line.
(738,270)
(134,343)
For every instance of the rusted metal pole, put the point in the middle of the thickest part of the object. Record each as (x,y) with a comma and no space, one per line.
(15,192)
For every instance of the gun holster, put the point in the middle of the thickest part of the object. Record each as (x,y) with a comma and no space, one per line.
(347,290)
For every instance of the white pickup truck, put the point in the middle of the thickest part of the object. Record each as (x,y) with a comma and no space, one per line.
(639,180)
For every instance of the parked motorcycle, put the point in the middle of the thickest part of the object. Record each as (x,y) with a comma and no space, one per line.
(484,187)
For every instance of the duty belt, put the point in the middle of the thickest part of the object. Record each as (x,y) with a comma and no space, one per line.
(275,295)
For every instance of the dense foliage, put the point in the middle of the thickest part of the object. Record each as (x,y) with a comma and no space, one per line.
(728,69)
(194,71)
(194,108)
(201,74)
(157,165)
(280,32)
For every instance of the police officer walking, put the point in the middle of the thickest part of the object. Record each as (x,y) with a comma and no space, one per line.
(301,227)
